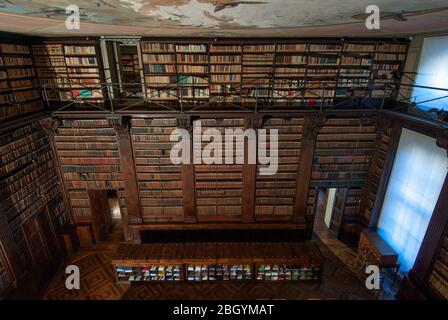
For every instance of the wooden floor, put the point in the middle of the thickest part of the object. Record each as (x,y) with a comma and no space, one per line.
(98,282)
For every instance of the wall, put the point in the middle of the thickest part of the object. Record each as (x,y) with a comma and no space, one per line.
(89,158)
(29,186)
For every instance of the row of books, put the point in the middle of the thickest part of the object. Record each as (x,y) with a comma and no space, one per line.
(14,48)
(285,47)
(292,47)
(81,50)
(159,58)
(48,49)
(355,82)
(323,60)
(356,61)
(287,272)
(11,184)
(354,72)
(390,56)
(11,110)
(20,84)
(22,96)
(3,85)
(359,47)
(48,62)
(149,273)
(223,48)
(259,48)
(230,68)
(221,59)
(192,58)
(219,272)
(251,59)
(17,61)
(290,59)
(80,61)
(20,73)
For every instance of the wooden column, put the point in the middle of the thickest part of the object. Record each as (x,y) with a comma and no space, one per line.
(310,129)
(387,169)
(50,126)
(249,175)
(122,127)
(381,125)
(188,176)
(436,229)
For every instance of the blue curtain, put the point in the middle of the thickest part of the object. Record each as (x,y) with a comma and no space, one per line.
(414,186)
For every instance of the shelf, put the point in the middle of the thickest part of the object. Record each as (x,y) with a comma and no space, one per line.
(234,261)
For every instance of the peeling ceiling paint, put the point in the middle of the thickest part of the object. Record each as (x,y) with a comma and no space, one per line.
(217,14)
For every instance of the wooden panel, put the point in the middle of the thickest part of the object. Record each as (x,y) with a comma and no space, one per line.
(338,210)
(127,165)
(100,209)
(275,194)
(28,183)
(219,187)
(431,264)
(342,156)
(159,181)
(85,234)
(89,156)
(386,171)
(310,129)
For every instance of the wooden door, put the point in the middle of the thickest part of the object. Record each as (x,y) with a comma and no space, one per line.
(338,210)
(100,209)
(37,244)
(49,236)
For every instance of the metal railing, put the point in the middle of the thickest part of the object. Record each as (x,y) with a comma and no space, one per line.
(127,97)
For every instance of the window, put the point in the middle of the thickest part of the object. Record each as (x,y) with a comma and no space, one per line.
(433,72)
(414,186)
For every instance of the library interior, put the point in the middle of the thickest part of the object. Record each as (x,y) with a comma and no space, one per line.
(348,106)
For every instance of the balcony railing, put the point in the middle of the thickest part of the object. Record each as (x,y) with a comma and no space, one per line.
(135,97)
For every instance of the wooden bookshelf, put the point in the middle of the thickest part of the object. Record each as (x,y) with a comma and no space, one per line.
(311,72)
(19,90)
(69,69)
(233,261)
(29,188)
(438,279)
(51,70)
(275,194)
(159,181)
(89,158)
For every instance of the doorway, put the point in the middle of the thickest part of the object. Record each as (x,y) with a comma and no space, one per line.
(130,70)
(106,215)
(330,210)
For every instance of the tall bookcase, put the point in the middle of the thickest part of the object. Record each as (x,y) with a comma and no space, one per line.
(19,91)
(69,70)
(303,72)
(51,70)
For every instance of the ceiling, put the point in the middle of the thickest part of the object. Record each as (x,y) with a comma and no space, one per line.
(224,18)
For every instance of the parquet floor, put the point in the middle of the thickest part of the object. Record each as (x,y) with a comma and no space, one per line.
(98,282)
